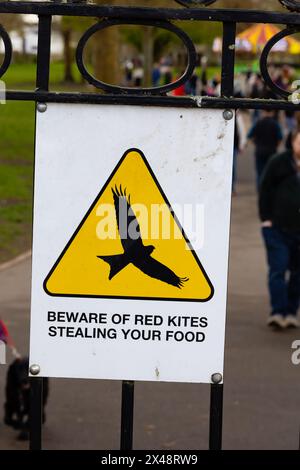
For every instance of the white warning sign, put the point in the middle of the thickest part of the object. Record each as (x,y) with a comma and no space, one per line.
(130,242)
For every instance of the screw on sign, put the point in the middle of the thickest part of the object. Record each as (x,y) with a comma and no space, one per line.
(34,369)
(41,107)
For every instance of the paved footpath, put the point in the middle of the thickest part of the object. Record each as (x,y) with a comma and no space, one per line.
(262,387)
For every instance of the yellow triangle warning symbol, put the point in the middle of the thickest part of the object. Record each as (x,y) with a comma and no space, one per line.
(130,244)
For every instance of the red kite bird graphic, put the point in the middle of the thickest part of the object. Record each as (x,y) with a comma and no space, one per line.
(135,251)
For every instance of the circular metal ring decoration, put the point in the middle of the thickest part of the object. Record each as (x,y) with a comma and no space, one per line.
(7,51)
(264,59)
(191,3)
(134,90)
(292,5)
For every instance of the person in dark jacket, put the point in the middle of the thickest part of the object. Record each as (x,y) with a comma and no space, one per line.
(279,207)
(266,134)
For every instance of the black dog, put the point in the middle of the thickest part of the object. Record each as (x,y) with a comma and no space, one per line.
(17,405)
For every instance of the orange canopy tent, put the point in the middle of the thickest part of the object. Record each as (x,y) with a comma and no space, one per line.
(254,38)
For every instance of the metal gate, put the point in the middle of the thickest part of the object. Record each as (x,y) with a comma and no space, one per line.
(196,11)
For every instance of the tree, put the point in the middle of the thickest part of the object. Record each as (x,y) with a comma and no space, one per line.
(13,22)
(71,27)
(66,28)
(106,48)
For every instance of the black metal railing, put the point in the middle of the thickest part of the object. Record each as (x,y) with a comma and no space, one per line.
(197,11)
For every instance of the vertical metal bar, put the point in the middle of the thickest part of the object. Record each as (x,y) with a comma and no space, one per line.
(36,413)
(216,417)
(43,52)
(127,415)
(42,83)
(228,58)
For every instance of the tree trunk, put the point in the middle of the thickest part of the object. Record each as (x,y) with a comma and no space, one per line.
(148,46)
(68,77)
(106,46)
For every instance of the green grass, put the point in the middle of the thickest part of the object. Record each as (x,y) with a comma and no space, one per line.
(16,170)
(16,156)
(22,75)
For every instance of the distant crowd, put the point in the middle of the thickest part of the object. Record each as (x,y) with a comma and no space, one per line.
(248,83)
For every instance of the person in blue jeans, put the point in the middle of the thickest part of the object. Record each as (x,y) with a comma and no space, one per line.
(279,207)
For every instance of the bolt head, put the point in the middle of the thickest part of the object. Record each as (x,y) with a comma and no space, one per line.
(41,107)
(34,369)
(227,114)
(216,378)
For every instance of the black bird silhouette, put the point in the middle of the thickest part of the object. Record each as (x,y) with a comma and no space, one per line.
(135,251)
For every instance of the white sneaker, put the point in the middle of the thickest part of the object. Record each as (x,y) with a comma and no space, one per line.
(277,321)
(291,321)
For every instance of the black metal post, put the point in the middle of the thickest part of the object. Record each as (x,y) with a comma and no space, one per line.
(42,84)
(36,413)
(127,415)
(216,417)
(43,53)
(228,59)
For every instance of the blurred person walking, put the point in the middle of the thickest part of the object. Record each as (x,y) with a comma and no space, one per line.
(255,89)
(240,139)
(288,142)
(266,134)
(279,207)
(156,75)
(6,338)
(290,121)
(138,74)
